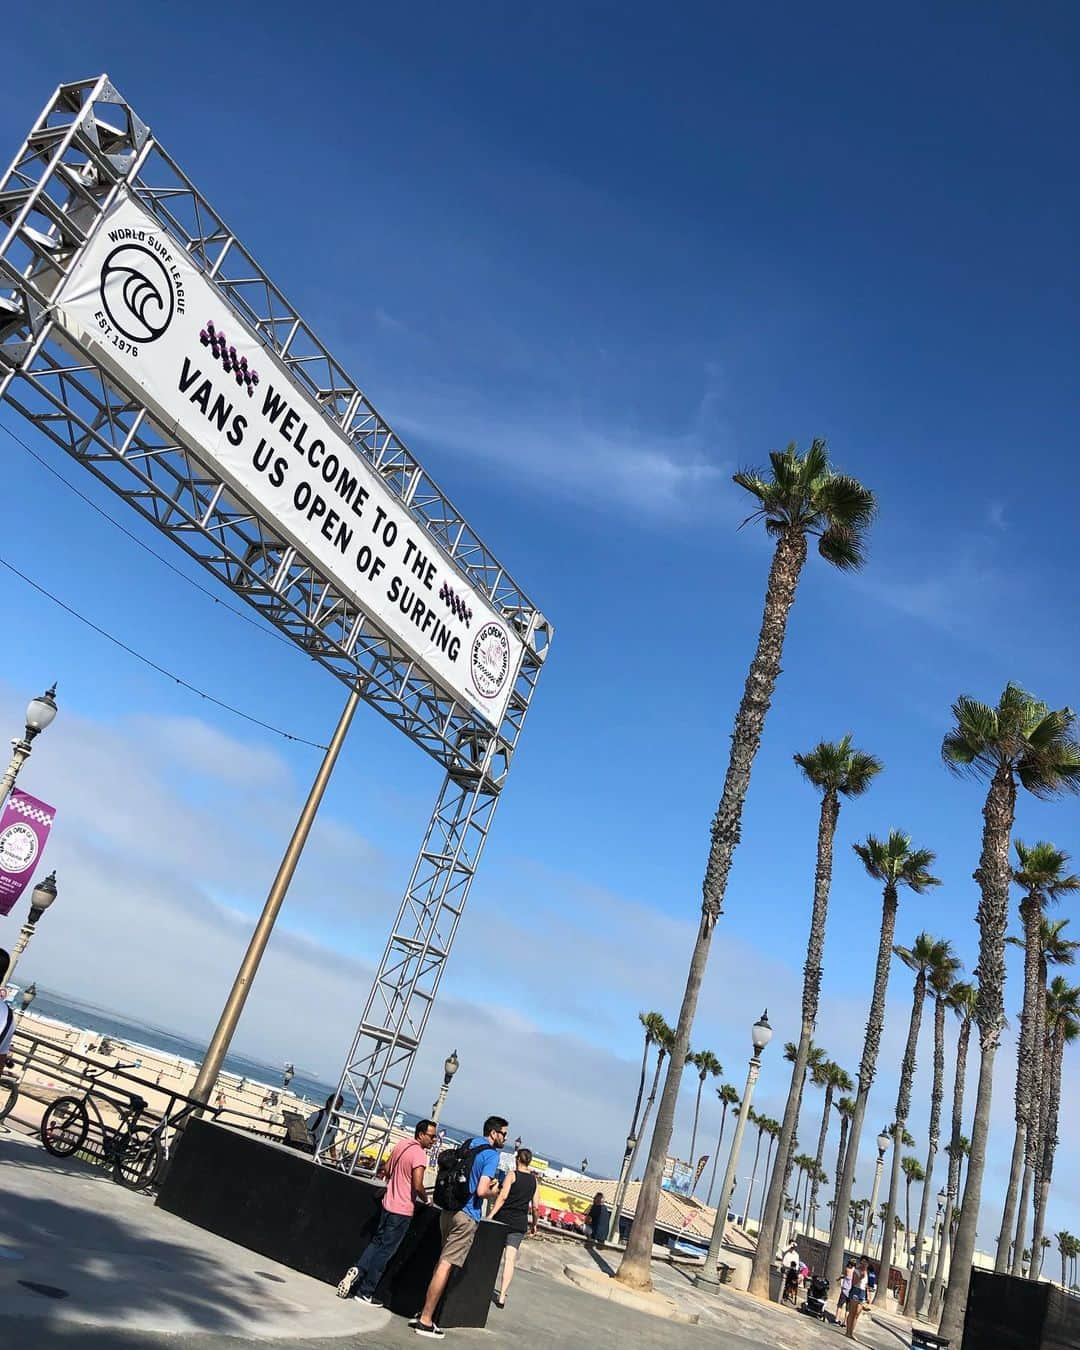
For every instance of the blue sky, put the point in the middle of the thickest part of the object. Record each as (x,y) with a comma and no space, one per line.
(588,261)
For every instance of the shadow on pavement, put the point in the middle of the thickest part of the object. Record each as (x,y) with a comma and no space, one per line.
(113,1267)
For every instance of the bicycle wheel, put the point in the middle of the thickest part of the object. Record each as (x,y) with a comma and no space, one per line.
(64,1127)
(138,1159)
(9,1095)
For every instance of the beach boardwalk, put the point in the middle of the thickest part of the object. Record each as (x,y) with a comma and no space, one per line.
(84,1262)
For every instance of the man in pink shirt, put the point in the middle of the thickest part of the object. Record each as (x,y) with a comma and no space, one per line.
(404,1172)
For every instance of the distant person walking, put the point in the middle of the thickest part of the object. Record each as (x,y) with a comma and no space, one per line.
(597,1226)
(516,1208)
(314,1123)
(789,1264)
(860,1291)
(404,1172)
(458,1226)
(845,1287)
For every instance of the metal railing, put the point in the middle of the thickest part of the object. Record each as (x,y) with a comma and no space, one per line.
(36,1057)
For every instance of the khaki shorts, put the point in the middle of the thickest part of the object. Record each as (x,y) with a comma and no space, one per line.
(458,1231)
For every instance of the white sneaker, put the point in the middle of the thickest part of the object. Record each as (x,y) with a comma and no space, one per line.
(348,1280)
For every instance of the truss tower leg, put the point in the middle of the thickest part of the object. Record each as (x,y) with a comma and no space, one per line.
(381,1057)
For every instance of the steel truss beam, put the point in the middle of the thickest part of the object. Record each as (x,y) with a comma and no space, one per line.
(87,146)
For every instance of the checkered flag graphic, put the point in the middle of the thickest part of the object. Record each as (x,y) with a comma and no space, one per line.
(18,802)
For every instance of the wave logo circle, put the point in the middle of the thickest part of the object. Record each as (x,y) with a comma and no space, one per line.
(18,847)
(490,662)
(137,293)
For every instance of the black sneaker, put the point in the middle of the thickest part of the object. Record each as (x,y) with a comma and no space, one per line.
(348,1280)
(433,1332)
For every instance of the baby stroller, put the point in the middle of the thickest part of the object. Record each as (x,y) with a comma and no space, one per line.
(816,1298)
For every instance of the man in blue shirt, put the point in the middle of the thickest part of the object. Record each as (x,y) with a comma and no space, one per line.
(458,1227)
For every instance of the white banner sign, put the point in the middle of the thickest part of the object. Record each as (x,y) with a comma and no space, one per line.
(137,301)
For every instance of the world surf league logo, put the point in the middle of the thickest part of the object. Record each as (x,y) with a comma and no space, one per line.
(490,663)
(141,290)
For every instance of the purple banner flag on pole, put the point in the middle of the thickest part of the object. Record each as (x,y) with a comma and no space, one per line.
(24,828)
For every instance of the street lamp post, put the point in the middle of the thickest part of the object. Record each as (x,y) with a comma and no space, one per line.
(450,1067)
(936,1237)
(882,1145)
(288,1073)
(44,893)
(39,713)
(760,1036)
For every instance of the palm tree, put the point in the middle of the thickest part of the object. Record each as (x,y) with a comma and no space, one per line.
(1054,950)
(940,977)
(1019,740)
(894,863)
(772,1129)
(708,1066)
(814,1059)
(913,1171)
(837,769)
(754,1119)
(800,496)
(962,1000)
(1066,1246)
(653,1024)
(729,1096)
(845,1109)
(1063,1027)
(926,952)
(832,1078)
(1042,872)
(658,1033)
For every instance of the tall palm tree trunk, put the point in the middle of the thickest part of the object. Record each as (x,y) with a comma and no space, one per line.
(1033,1136)
(867,1068)
(1049,1138)
(787,563)
(1030,913)
(716,1155)
(994,876)
(768,1161)
(953,1190)
(620,1191)
(753,1178)
(840,1152)
(892,1204)
(697,1113)
(766,1245)
(911,1304)
(641,1084)
(903,1106)
(819,1156)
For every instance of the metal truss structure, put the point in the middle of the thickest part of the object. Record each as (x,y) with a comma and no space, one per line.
(87,146)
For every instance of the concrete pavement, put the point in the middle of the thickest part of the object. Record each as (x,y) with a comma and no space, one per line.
(86,1265)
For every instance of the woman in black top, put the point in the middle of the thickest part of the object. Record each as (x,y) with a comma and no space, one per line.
(516,1208)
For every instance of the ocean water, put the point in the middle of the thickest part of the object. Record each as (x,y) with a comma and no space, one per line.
(89,1016)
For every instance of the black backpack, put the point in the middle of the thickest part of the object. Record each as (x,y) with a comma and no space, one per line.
(452,1190)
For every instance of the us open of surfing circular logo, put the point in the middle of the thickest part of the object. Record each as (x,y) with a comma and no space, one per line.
(490,662)
(18,847)
(137,293)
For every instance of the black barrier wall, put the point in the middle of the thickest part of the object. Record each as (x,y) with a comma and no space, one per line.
(277,1202)
(1007,1313)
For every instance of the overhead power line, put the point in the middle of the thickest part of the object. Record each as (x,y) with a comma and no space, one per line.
(205,590)
(161,670)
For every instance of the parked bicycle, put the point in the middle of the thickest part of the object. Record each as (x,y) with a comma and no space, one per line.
(9,1095)
(134,1151)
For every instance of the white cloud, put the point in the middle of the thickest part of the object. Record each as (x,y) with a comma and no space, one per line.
(160,875)
(656,472)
